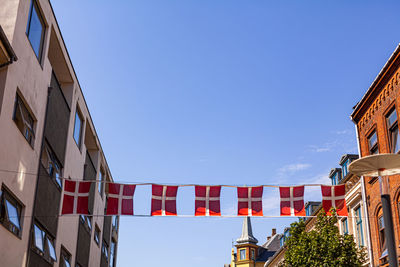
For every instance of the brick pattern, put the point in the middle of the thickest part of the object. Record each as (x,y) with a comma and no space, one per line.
(386,97)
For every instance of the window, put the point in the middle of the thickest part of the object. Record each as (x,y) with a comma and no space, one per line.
(43,244)
(373,144)
(24,120)
(51,164)
(253,254)
(281,241)
(345,227)
(97,234)
(10,213)
(65,258)
(242,254)
(86,221)
(381,229)
(104,250)
(101,184)
(345,168)
(115,222)
(360,237)
(393,131)
(334,179)
(35,29)
(112,253)
(78,128)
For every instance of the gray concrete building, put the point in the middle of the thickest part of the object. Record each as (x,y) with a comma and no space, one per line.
(46,133)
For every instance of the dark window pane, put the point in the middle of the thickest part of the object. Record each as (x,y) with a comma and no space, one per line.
(77,129)
(372,140)
(392,118)
(35,31)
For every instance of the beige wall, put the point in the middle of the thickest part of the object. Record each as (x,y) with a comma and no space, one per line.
(32,79)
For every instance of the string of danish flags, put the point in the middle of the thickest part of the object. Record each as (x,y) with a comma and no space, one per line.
(207,199)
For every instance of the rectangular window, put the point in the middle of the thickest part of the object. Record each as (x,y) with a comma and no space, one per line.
(10,213)
(393,131)
(345,227)
(242,254)
(101,180)
(360,237)
(43,244)
(381,228)
(112,253)
(65,258)
(373,144)
(78,128)
(104,250)
(51,164)
(345,168)
(35,29)
(253,254)
(24,120)
(86,221)
(97,234)
(115,222)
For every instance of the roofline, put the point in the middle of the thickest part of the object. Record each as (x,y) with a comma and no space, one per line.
(80,88)
(7,45)
(375,82)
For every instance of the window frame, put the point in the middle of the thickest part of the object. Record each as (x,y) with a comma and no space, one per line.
(359,227)
(28,131)
(252,254)
(78,114)
(104,249)
(345,226)
(112,253)
(240,254)
(392,130)
(97,233)
(34,5)
(86,220)
(374,148)
(53,163)
(381,231)
(47,240)
(101,182)
(65,256)
(7,196)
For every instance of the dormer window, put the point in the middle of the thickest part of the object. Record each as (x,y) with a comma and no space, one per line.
(345,168)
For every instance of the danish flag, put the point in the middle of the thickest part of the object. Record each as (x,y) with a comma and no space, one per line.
(207,201)
(292,200)
(163,200)
(333,197)
(250,201)
(120,199)
(75,197)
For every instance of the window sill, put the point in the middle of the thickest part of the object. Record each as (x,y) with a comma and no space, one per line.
(9,225)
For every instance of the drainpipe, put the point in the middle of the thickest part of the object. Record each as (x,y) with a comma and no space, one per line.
(364,200)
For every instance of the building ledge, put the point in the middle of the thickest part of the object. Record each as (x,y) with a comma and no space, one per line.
(7,54)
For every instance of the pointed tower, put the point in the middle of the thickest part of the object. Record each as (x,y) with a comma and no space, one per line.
(246,247)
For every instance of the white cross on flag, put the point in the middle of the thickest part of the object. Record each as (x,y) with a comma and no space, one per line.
(292,200)
(120,199)
(250,201)
(207,201)
(76,197)
(163,200)
(333,197)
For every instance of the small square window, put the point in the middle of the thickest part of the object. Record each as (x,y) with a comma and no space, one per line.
(10,213)
(24,120)
(35,29)
(78,128)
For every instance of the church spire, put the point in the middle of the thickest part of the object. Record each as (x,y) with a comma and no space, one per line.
(247,233)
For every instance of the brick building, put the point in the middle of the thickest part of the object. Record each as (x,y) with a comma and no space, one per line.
(376,119)
(46,133)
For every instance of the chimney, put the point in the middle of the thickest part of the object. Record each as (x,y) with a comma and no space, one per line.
(273,231)
(268,238)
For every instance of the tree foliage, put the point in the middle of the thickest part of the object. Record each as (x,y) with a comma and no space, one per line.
(322,246)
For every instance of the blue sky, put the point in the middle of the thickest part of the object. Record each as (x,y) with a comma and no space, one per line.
(222,92)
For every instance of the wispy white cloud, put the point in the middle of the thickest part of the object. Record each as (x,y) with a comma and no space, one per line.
(343,132)
(292,168)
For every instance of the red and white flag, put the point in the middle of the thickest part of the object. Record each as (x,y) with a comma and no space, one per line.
(207,202)
(120,199)
(333,197)
(250,201)
(163,200)
(292,200)
(76,197)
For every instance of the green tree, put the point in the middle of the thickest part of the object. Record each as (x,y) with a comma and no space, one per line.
(322,246)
